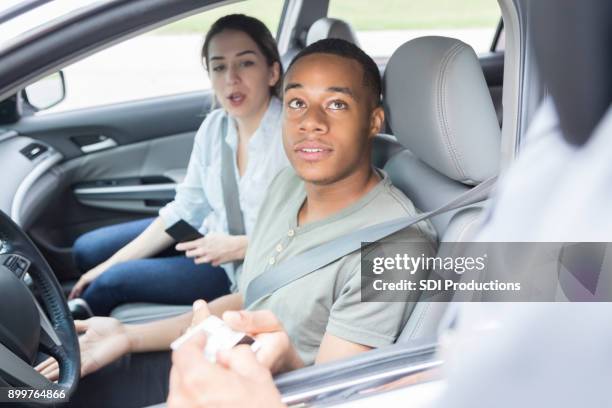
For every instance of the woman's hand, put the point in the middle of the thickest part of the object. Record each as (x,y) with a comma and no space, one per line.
(87,278)
(215,248)
(104,341)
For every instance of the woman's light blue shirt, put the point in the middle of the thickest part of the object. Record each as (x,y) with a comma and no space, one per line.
(199,197)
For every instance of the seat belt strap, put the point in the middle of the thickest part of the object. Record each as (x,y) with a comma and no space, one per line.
(322,255)
(231,196)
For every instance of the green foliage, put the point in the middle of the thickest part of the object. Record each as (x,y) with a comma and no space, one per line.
(415,14)
(362,14)
(268,11)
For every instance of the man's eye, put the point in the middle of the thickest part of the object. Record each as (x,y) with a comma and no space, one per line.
(337,105)
(219,68)
(296,104)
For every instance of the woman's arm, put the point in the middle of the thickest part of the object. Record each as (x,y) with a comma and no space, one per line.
(151,241)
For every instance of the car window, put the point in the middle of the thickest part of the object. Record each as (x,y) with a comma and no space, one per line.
(20,16)
(165,61)
(384,25)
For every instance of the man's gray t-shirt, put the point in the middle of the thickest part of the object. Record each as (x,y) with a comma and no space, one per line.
(329,299)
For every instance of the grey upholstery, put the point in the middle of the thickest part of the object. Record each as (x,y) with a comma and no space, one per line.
(426,187)
(146,312)
(327,27)
(383,148)
(426,317)
(439,107)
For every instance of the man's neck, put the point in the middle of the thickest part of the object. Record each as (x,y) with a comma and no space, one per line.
(323,201)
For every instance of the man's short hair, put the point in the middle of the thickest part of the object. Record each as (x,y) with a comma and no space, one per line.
(343,48)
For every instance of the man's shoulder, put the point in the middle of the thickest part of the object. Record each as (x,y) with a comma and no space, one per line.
(393,201)
(285,182)
(285,187)
(391,204)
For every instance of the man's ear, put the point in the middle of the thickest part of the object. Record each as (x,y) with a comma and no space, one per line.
(377,120)
(274,74)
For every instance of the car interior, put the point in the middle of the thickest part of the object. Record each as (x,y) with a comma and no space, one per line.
(70,172)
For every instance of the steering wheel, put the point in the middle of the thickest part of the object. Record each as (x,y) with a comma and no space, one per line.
(25,329)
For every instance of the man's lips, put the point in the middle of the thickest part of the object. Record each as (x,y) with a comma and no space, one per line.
(311,151)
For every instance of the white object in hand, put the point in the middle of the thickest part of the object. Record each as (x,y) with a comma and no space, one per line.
(219,337)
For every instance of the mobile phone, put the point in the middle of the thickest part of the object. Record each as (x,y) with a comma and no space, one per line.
(219,337)
(181,231)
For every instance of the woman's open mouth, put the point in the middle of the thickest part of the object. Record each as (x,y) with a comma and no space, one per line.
(236,98)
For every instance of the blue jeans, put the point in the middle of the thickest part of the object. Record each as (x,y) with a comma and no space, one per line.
(169,278)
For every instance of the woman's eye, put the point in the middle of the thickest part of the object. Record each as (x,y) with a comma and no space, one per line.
(219,68)
(296,104)
(337,105)
(247,63)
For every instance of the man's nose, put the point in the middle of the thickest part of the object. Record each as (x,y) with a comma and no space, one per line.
(314,121)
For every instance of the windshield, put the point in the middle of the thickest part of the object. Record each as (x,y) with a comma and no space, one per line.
(47,10)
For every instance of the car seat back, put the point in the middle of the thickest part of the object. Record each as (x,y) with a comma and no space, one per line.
(325,27)
(438,106)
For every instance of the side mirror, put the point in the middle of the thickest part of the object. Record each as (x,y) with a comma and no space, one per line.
(46,92)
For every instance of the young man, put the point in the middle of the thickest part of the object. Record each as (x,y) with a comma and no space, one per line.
(331,113)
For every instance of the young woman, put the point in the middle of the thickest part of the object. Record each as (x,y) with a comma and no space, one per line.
(135,261)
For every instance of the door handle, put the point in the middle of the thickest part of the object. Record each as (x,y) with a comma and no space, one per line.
(93,143)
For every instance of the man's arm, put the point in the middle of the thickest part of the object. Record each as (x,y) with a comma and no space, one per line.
(277,353)
(158,335)
(239,378)
(335,348)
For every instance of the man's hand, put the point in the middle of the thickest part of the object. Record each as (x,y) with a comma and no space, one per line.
(276,351)
(104,340)
(200,313)
(215,248)
(87,278)
(237,381)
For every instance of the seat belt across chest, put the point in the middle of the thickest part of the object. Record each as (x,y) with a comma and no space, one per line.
(231,195)
(322,255)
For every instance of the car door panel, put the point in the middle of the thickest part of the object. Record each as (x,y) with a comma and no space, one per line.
(129,180)
(136,178)
(125,123)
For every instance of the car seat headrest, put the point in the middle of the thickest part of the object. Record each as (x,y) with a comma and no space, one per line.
(438,106)
(327,27)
